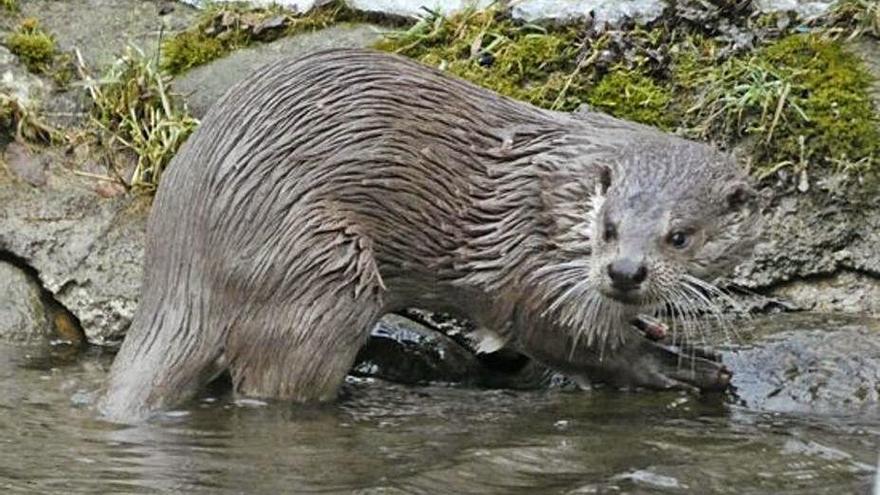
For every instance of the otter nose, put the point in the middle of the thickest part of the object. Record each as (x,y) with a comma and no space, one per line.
(626,274)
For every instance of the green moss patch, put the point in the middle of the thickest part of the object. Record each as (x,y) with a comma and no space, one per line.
(524,62)
(802,99)
(33,46)
(224,28)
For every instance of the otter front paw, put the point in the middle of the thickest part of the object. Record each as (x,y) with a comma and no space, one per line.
(653,365)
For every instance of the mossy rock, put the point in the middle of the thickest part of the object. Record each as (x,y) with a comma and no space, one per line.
(225,28)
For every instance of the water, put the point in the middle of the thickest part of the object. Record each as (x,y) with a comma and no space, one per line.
(387,438)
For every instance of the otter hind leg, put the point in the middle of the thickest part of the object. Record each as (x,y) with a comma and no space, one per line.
(159,365)
(306,336)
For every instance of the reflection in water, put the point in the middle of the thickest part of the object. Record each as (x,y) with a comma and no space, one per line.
(394,439)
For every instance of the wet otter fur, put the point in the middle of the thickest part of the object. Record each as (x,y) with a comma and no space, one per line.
(324,192)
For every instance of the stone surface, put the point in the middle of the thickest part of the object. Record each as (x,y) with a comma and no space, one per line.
(101,29)
(603,12)
(842,292)
(24,165)
(203,85)
(17,82)
(808,363)
(295,5)
(815,234)
(805,9)
(87,249)
(416,8)
(22,314)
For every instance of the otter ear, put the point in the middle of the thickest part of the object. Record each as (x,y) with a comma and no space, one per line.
(604,178)
(739,195)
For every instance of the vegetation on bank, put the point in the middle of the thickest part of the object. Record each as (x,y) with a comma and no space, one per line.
(134,111)
(9,5)
(791,96)
(794,100)
(23,123)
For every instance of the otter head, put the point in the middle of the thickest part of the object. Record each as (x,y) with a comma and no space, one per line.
(673,216)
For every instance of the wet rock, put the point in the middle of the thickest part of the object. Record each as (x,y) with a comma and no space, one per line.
(203,85)
(604,13)
(809,363)
(405,351)
(88,250)
(23,317)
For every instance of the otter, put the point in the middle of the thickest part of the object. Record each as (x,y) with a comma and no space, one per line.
(321,193)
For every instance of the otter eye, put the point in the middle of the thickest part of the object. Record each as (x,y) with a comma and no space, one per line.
(610,232)
(679,239)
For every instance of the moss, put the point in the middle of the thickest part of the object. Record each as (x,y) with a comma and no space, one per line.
(802,100)
(224,28)
(630,94)
(797,100)
(191,49)
(524,62)
(33,46)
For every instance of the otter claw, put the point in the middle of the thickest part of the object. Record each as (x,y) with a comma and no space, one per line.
(652,328)
(657,366)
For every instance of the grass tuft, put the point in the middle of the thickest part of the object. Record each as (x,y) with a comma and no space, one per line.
(134,109)
(24,123)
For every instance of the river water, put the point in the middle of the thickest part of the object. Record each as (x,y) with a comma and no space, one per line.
(387,438)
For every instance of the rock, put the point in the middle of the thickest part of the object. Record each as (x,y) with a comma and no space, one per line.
(808,363)
(24,165)
(404,351)
(17,82)
(610,13)
(205,84)
(101,29)
(815,235)
(23,317)
(88,250)
(416,8)
(804,9)
(271,24)
(300,6)
(842,292)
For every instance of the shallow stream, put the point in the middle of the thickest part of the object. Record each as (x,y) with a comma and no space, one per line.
(387,438)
